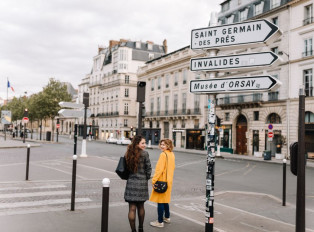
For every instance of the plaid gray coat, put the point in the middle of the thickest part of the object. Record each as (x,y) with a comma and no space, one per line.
(136,188)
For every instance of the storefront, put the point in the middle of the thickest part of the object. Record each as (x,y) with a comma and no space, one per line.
(195,139)
(151,134)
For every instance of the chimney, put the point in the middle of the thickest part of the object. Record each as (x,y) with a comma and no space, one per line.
(112,43)
(165,46)
(100,49)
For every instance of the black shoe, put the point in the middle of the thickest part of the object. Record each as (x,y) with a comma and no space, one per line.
(140,229)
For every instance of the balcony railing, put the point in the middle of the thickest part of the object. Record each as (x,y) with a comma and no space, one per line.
(307,53)
(178,112)
(240,99)
(307,21)
(117,83)
(108,114)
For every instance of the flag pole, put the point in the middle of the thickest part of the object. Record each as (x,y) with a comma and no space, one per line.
(7,90)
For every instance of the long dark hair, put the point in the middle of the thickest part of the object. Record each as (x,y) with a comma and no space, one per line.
(133,153)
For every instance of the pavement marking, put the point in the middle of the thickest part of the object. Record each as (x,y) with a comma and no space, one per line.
(234,170)
(190,163)
(57,169)
(257,228)
(8,165)
(188,218)
(34,194)
(248,171)
(98,169)
(41,203)
(260,216)
(35,187)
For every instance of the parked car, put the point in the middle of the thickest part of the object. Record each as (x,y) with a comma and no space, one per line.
(124,141)
(111,140)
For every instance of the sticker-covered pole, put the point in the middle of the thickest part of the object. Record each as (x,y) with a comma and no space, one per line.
(211,138)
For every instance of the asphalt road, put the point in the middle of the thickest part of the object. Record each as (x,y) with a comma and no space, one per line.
(247,193)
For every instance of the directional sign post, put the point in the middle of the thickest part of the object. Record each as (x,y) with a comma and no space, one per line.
(230,85)
(71,105)
(242,61)
(67,113)
(239,34)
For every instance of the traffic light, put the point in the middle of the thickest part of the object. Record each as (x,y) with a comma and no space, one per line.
(26,113)
(294,158)
(140,91)
(86,99)
(156,133)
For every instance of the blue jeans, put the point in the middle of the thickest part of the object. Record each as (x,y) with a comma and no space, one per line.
(163,208)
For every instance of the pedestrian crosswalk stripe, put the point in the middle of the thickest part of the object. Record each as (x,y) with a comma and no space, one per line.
(34,187)
(34,194)
(41,203)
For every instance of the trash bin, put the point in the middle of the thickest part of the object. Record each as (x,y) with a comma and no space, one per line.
(48,135)
(267,155)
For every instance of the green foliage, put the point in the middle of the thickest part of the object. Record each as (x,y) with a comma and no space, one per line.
(42,105)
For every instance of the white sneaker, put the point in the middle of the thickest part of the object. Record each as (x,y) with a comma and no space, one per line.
(157,224)
(167,220)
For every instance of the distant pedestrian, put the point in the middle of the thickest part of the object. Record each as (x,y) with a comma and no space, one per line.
(163,172)
(136,190)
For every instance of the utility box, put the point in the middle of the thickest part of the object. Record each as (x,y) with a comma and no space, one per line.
(267,155)
(48,136)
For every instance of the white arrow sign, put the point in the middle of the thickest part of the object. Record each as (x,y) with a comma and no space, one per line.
(237,34)
(74,113)
(237,84)
(242,61)
(71,105)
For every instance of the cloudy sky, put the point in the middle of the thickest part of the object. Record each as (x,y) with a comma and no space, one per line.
(56,38)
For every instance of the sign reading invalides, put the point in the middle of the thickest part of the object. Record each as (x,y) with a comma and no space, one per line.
(245,34)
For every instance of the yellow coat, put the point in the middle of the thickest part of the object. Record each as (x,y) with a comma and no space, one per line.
(160,175)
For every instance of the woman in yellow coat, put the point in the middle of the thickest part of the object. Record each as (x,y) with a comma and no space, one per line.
(163,172)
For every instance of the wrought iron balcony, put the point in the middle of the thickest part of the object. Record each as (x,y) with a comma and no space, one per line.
(177,112)
(307,21)
(240,99)
(108,114)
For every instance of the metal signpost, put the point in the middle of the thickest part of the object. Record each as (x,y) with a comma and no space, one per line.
(248,34)
(250,60)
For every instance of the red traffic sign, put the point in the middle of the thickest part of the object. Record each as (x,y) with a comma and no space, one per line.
(25,120)
(58,126)
(270,134)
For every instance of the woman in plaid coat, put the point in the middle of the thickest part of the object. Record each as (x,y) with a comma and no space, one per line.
(136,190)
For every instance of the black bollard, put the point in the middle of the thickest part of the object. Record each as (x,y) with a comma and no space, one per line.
(73,182)
(105,205)
(284,167)
(27,160)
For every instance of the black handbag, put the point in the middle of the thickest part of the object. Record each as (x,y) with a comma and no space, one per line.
(162,186)
(122,169)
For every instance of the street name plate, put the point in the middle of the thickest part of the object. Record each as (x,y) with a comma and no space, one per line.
(245,34)
(242,61)
(237,84)
(67,113)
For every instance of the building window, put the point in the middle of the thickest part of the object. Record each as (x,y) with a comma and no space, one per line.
(176,77)
(243,15)
(309,117)
(151,106)
(275,20)
(126,108)
(196,103)
(175,103)
(158,105)
(273,96)
(151,56)
(258,9)
(275,50)
(126,92)
(157,124)
(308,82)
(152,84)
(256,115)
(274,4)
(138,45)
(166,104)
(126,79)
(167,80)
(225,6)
(308,14)
(185,74)
(183,103)
(183,124)
(230,19)
(274,118)
(308,47)
(150,46)
(158,82)
(196,123)
(227,116)
(125,124)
